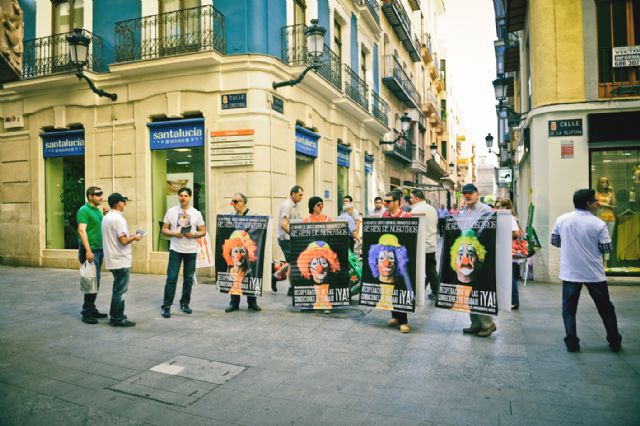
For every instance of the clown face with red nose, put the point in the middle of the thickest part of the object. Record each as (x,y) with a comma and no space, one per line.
(466,255)
(387,266)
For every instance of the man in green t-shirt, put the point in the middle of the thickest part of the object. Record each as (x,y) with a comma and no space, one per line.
(90,247)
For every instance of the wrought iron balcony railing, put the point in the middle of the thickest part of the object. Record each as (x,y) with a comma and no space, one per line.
(294,52)
(401,24)
(50,55)
(183,31)
(380,109)
(373,7)
(356,88)
(399,82)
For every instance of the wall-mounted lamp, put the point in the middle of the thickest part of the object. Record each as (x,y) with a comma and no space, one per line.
(451,167)
(433,149)
(500,87)
(315,48)
(79,51)
(405,125)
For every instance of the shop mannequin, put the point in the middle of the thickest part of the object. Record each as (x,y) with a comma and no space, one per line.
(606,200)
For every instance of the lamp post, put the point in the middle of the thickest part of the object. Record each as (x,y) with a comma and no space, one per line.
(78,53)
(405,125)
(315,48)
(489,141)
(451,167)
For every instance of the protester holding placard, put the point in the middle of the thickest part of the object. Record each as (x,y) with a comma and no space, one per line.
(238,251)
(290,210)
(420,206)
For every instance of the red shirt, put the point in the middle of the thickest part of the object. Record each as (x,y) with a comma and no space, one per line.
(401,213)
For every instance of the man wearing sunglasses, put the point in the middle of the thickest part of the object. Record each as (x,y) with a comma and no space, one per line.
(89,219)
(582,239)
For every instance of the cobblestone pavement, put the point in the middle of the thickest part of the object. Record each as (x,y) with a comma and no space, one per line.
(280,366)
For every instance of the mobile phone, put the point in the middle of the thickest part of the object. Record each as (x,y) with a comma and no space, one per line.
(140,232)
(185,230)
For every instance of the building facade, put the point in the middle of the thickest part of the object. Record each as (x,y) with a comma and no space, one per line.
(196,107)
(574,88)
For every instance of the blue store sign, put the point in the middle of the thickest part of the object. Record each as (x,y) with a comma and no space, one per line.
(63,144)
(306,142)
(177,133)
(343,155)
(368,164)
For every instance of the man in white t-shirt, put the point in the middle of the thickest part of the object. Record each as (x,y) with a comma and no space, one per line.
(290,210)
(582,239)
(116,243)
(184,225)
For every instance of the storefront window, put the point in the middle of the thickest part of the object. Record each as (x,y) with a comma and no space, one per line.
(177,160)
(64,186)
(615,176)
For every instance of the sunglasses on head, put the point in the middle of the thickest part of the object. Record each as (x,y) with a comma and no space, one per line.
(97,193)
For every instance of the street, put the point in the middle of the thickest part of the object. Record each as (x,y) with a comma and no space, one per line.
(280,366)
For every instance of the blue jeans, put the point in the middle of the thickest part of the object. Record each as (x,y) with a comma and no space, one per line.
(98,256)
(173,269)
(599,292)
(515,273)
(120,287)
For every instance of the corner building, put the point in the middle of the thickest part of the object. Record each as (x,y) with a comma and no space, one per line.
(574,83)
(195,107)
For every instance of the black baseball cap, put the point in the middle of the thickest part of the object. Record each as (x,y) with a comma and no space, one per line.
(115,198)
(469,188)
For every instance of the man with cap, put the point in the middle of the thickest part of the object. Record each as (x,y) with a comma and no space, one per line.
(184,224)
(482,325)
(117,256)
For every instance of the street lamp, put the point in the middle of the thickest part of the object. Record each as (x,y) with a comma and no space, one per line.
(433,149)
(405,125)
(451,167)
(78,52)
(500,87)
(489,140)
(315,48)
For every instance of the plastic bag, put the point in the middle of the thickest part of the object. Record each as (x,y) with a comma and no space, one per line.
(88,278)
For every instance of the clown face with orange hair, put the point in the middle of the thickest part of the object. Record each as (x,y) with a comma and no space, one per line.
(238,251)
(317,261)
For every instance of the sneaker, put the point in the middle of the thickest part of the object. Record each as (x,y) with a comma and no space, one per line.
(487,331)
(616,347)
(255,307)
(166,312)
(515,307)
(392,322)
(232,308)
(471,330)
(405,328)
(573,347)
(274,283)
(122,323)
(89,320)
(186,309)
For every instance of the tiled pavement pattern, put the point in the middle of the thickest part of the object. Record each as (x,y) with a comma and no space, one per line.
(281,367)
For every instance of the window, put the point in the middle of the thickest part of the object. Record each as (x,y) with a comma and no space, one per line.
(615,176)
(299,11)
(363,65)
(443,149)
(337,38)
(618,23)
(67,15)
(179,22)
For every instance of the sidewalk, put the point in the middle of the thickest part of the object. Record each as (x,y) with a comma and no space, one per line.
(279,366)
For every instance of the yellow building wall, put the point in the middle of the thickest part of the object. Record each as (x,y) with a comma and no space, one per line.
(557,51)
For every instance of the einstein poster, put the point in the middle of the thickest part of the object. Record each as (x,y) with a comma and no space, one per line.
(468,265)
(240,253)
(389,263)
(320,268)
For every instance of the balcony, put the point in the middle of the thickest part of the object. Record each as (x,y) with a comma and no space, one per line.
(430,103)
(415,5)
(294,53)
(197,29)
(379,109)
(418,162)
(370,10)
(355,88)
(401,150)
(50,55)
(512,53)
(399,20)
(434,69)
(427,48)
(399,83)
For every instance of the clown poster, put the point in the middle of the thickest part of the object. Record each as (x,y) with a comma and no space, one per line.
(390,250)
(468,265)
(240,253)
(320,268)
